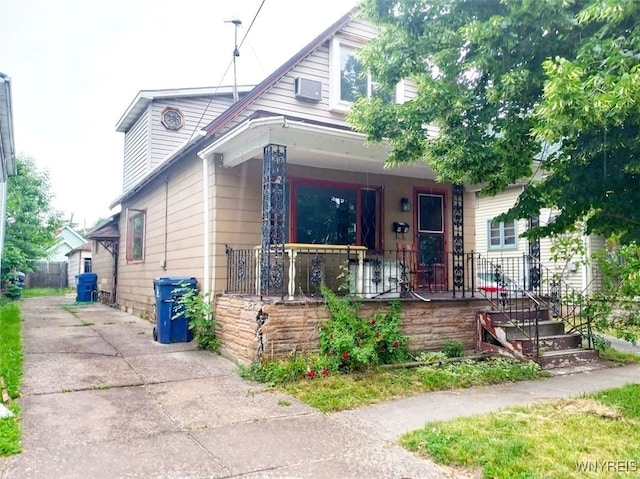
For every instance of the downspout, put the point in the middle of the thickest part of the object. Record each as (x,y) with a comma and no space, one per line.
(205,219)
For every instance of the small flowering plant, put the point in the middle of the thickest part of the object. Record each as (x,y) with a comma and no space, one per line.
(357,342)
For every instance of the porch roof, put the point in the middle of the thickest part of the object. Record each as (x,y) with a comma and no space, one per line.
(309,144)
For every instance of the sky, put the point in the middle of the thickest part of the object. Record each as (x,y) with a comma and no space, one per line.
(76,65)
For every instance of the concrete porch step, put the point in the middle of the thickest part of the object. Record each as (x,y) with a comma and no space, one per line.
(560,342)
(566,358)
(499,318)
(527,329)
(556,342)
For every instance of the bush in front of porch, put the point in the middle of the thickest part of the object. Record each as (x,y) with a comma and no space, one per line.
(356,343)
(362,347)
(348,343)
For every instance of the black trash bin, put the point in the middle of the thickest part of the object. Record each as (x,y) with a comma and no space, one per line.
(167,292)
(86,284)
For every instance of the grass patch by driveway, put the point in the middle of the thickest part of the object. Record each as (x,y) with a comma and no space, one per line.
(11,370)
(590,436)
(39,292)
(347,391)
(617,356)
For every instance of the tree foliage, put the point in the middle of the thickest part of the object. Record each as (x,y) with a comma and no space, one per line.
(515,86)
(31,221)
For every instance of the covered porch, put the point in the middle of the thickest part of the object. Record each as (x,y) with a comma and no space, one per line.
(332,213)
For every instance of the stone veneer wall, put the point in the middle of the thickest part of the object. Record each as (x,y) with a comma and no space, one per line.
(293,326)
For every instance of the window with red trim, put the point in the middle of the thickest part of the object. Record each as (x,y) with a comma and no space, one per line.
(135,235)
(336,213)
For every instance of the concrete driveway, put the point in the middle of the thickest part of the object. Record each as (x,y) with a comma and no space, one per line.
(101,399)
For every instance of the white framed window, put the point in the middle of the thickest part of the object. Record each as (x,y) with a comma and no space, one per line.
(135,235)
(349,80)
(502,235)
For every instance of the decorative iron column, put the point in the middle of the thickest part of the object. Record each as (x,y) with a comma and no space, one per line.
(457,224)
(273,219)
(534,257)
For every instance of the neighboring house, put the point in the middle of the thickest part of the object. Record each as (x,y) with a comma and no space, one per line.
(67,240)
(7,151)
(504,240)
(105,240)
(78,262)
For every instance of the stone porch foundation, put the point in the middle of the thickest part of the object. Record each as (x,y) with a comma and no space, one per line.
(292,326)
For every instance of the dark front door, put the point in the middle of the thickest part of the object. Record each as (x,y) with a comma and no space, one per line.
(431,243)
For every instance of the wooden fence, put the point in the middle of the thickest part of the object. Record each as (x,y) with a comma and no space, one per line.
(47,274)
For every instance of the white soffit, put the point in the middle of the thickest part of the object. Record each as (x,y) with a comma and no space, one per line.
(310,145)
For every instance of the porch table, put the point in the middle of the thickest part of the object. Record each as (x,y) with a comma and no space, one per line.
(293,249)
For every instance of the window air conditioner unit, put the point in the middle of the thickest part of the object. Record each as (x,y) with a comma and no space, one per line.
(308,90)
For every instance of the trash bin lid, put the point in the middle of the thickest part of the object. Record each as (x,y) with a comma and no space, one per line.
(174,280)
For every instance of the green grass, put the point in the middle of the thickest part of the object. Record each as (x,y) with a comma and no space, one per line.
(347,391)
(11,370)
(617,356)
(540,441)
(38,292)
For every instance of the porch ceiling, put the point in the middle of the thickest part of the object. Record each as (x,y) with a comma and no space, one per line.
(308,144)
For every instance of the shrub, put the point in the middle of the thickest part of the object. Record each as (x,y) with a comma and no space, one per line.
(198,310)
(453,349)
(357,343)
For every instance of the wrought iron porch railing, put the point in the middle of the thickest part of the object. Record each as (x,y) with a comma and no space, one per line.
(300,269)
(521,288)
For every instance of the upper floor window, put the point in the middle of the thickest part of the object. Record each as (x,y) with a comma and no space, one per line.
(502,234)
(135,235)
(350,80)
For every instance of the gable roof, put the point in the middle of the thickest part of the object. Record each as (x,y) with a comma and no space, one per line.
(196,144)
(107,230)
(235,109)
(84,247)
(70,236)
(145,97)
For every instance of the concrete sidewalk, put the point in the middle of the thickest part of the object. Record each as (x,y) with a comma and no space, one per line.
(101,399)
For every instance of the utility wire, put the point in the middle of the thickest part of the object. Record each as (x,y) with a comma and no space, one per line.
(251,24)
(226,71)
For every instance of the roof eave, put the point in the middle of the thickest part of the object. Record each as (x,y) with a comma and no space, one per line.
(6,126)
(145,97)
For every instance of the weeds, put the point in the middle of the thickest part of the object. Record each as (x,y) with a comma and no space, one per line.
(11,358)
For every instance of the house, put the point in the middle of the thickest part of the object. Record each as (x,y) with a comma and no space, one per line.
(78,262)
(7,151)
(277,195)
(105,239)
(67,240)
(562,259)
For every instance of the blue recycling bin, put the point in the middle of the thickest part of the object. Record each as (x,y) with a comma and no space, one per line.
(167,292)
(15,284)
(86,284)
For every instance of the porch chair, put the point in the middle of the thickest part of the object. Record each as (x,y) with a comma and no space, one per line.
(414,277)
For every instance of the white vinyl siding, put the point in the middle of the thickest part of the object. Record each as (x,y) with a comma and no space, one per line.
(281,98)
(148,143)
(197,113)
(136,152)
(502,234)
(582,278)
(488,207)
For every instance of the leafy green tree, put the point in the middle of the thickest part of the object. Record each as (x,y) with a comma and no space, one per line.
(512,86)
(31,220)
